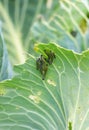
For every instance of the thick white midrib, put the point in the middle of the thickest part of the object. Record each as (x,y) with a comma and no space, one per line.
(14,36)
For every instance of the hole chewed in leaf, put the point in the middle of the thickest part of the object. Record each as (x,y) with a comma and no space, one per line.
(35,98)
(51,82)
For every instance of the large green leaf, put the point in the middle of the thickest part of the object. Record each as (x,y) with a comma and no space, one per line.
(60,102)
(5,66)
(18,17)
(67,21)
(26,21)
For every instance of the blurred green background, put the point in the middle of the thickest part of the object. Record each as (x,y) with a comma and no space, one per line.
(25,22)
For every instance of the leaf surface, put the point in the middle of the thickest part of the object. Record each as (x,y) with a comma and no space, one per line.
(60,102)
(18,18)
(67,21)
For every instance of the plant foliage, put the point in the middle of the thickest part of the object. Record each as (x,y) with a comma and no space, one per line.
(49,92)
(64,22)
(58,102)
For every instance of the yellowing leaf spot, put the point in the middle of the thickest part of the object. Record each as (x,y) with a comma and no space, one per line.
(2,91)
(51,82)
(36,47)
(35,98)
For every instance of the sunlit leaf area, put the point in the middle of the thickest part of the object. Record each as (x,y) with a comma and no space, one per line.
(44,65)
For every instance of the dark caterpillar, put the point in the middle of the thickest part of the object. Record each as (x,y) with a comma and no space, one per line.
(42,66)
(42,62)
(50,55)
